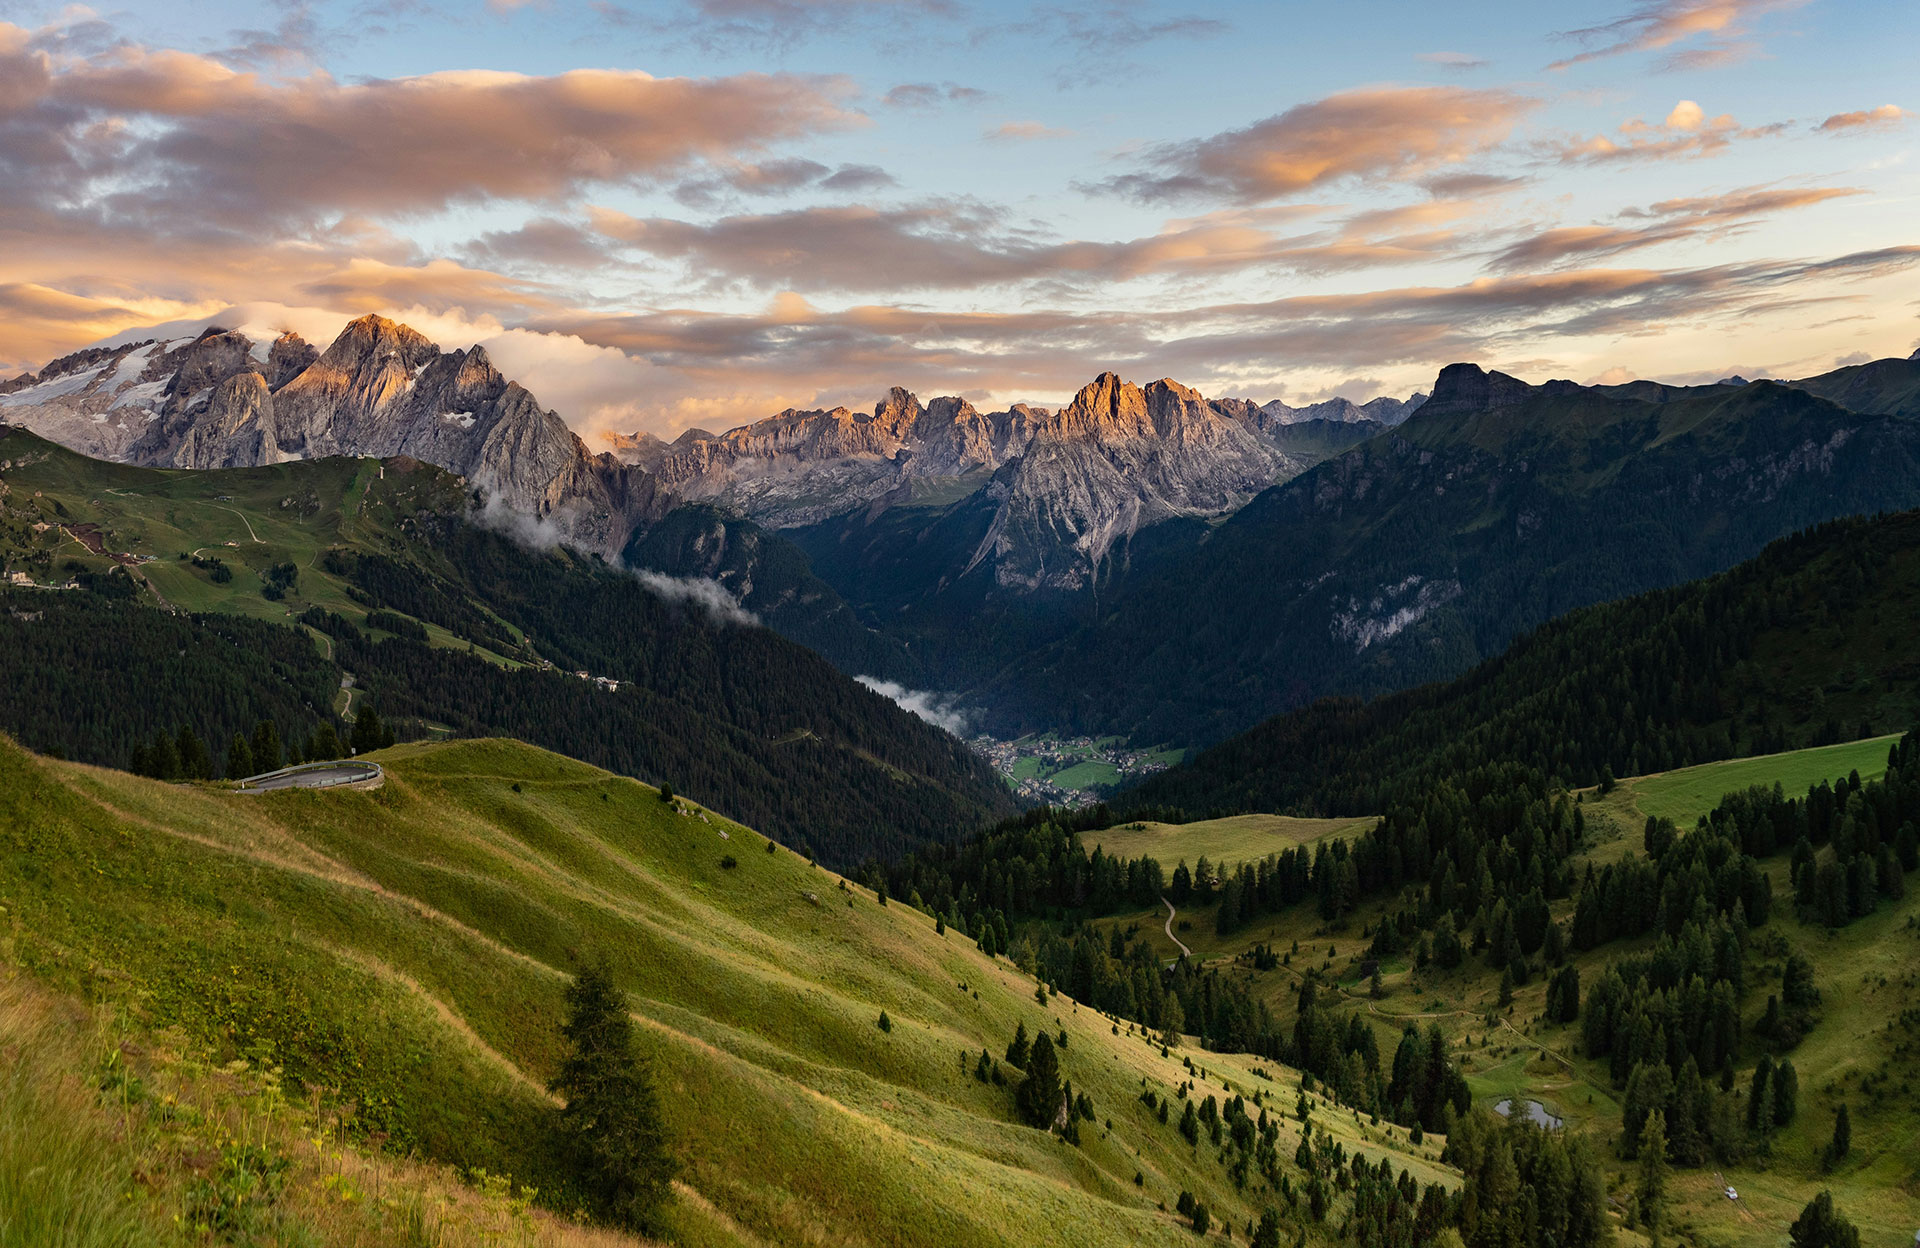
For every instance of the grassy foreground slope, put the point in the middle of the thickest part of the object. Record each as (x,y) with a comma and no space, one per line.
(401,953)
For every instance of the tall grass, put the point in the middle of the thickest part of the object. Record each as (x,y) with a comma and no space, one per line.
(65,1180)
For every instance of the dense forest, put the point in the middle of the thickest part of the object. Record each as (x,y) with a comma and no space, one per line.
(1807,643)
(90,677)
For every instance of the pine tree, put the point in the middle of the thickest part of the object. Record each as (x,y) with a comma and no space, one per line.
(1653,1173)
(163,759)
(266,747)
(369,733)
(195,763)
(1842,1136)
(324,744)
(1786,1094)
(1018,1051)
(612,1117)
(1759,1100)
(239,759)
(1820,1225)
(1039,1096)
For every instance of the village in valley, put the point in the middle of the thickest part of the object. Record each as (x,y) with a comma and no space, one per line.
(1070,771)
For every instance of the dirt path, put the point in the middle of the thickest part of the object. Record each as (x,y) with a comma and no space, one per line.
(248,523)
(1171,912)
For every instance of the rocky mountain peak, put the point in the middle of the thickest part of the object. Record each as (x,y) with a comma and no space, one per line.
(1465,388)
(289,356)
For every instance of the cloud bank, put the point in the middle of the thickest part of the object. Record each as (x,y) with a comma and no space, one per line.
(935,708)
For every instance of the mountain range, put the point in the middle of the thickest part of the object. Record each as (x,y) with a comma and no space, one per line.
(1143,561)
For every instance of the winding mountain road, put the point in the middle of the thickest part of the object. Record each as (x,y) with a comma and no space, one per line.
(1171,912)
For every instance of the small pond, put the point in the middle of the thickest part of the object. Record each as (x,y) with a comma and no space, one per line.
(1537,1113)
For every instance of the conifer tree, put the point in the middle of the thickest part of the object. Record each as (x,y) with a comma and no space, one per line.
(195,763)
(239,759)
(1653,1173)
(611,1122)
(1842,1136)
(266,747)
(1786,1094)
(1820,1225)
(1039,1096)
(1018,1050)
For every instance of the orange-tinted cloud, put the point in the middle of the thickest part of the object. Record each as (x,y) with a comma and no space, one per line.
(1716,29)
(1668,221)
(1867,118)
(150,133)
(1378,133)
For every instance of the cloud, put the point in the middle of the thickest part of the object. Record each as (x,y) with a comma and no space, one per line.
(709,596)
(178,141)
(955,245)
(1016,131)
(1716,30)
(1377,133)
(936,709)
(1885,116)
(928,94)
(1686,133)
(1459,62)
(1105,28)
(1668,221)
(858,178)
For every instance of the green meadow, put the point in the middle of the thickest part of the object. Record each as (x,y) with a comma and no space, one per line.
(400,953)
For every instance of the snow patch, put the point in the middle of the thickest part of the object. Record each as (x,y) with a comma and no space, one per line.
(462,419)
(937,709)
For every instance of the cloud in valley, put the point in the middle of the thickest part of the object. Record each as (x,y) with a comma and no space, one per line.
(932,707)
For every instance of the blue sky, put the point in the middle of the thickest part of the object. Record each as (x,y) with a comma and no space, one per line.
(761,203)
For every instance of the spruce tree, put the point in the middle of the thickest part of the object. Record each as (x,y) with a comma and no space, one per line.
(266,747)
(1653,1173)
(1039,1096)
(1018,1051)
(1842,1136)
(1759,1097)
(239,759)
(195,762)
(1786,1094)
(1820,1225)
(369,733)
(163,759)
(611,1122)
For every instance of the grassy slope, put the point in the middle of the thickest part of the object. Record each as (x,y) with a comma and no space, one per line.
(250,518)
(1689,792)
(406,948)
(1238,838)
(1866,973)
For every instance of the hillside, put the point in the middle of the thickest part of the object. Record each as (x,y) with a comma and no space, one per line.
(1805,644)
(495,632)
(1492,509)
(1858,1050)
(399,953)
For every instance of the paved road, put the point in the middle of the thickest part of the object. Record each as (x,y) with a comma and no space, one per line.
(1170,936)
(320,776)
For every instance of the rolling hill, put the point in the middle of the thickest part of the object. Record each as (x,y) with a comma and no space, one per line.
(1805,644)
(278,582)
(1860,1051)
(398,954)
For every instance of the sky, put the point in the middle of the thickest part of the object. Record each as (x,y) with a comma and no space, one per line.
(663,215)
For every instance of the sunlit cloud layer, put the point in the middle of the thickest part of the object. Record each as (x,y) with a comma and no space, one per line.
(667,214)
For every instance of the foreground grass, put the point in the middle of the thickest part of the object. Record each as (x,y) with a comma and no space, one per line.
(400,954)
(111,1139)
